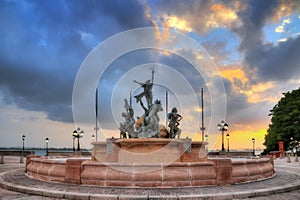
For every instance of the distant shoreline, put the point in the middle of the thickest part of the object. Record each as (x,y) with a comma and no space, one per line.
(42,151)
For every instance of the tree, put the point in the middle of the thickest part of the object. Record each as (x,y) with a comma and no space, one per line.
(285,121)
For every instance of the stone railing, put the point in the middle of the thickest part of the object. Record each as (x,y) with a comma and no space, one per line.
(20,153)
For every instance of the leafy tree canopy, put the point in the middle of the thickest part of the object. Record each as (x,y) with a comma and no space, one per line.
(285,122)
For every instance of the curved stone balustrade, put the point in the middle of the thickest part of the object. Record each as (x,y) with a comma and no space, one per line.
(46,168)
(251,169)
(148,175)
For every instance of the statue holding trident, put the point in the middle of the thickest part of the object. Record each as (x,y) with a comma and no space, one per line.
(147,93)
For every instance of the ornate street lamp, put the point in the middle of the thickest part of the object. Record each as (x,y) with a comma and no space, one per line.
(78,133)
(21,159)
(227,136)
(253,141)
(47,141)
(223,126)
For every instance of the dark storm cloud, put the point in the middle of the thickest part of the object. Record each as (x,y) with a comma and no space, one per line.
(266,61)
(38,90)
(254,19)
(44,42)
(218,50)
(281,62)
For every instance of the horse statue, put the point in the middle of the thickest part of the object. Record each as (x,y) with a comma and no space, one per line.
(150,126)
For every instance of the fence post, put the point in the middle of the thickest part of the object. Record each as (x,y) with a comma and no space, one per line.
(2,159)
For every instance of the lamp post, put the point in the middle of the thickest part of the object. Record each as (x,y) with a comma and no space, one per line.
(78,133)
(206,140)
(223,126)
(21,159)
(293,146)
(227,136)
(47,141)
(73,142)
(253,141)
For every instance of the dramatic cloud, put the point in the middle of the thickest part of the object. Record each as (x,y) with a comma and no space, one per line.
(217,49)
(267,61)
(280,62)
(38,90)
(44,43)
(199,16)
(281,28)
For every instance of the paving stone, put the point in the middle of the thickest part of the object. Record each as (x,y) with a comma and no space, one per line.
(76,196)
(221,196)
(56,194)
(166,197)
(190,197)
(133,197)
(104,196)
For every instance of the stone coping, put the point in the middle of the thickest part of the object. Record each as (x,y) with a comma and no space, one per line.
(60,159)
(158,164)
(150,140)
(245,160)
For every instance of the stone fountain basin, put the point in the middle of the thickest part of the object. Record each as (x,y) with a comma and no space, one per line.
(213,171)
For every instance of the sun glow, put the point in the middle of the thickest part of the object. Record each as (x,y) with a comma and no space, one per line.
(223,12)
(221,16)
(241,139)
(236,73)
(255,93)
(177,23)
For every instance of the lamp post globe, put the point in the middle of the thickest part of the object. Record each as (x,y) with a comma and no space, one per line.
(222,126)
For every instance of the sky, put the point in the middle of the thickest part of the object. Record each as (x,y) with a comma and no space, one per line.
(244,54)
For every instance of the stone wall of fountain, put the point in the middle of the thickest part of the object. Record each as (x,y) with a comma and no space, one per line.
(149,150)
(217,171)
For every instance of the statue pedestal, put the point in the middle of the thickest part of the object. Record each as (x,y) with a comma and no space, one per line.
(149,150)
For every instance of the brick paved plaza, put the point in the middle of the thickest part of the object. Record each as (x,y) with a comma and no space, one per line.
(285,185)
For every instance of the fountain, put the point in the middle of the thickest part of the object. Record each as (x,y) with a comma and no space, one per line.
(148,154)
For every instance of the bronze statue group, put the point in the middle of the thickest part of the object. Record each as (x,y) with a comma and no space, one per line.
(147,125)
